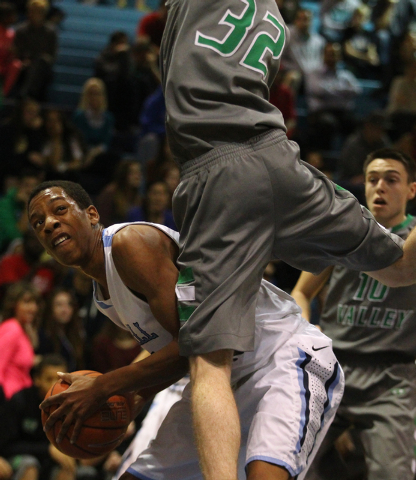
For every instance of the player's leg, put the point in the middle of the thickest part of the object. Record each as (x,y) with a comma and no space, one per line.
(259,470)
(128,476)
(215,416)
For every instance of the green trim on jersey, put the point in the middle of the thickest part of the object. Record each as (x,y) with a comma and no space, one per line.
(404,224)
(185,312)
(186,276)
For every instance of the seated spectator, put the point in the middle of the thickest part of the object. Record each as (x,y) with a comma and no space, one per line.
(27,264)
(62,151)
(96,125)
(113,348)
(172,178)
(36,45)
(145,76)
(335,16)
(18,338)
(9,65)
(155,208)
(303,53)
(62,331)
(330,95)
(152,25)
(360,46)
(114,67)
(21,139)
(13,212)
(118,197)
(157,166)
(22,439)
(288,9)
(370,136)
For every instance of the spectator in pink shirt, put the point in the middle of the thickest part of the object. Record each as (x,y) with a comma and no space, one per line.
(18,337)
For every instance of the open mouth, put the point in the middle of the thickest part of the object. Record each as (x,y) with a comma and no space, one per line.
(379,201)
(60,240)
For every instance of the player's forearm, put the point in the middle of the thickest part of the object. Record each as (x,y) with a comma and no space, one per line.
(303,302)
(148,376)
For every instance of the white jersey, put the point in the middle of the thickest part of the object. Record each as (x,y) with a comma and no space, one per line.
(274,312)
(287,389)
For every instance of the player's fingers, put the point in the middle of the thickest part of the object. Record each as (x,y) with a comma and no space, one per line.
(64,428)
(52,400)
(54,416)
(76,431)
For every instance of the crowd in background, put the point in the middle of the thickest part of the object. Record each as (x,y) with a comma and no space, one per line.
(114,145)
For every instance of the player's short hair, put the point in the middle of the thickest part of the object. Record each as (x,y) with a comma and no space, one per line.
(72,189)
(49,360)
(390,153)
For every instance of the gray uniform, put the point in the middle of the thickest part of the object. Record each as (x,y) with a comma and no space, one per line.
(374,337)
(245,197)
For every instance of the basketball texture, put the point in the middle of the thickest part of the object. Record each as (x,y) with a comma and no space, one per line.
(101,433)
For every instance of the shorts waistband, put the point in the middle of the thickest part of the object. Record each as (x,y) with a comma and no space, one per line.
(224,152)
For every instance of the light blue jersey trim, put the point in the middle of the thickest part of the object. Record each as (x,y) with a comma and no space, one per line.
(332,387)
(107,239)
(138,475)
(274,461)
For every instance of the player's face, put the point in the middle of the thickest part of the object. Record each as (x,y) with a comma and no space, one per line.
(62,227)
(388,190)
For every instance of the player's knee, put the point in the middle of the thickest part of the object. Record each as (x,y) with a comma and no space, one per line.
(258,470)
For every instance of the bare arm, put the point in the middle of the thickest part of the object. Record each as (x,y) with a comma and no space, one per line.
(306,289)
(402,272)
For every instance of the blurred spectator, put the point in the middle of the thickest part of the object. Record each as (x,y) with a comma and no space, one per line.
(21,138)
(114,67)
(62,331)
(36,45)
(304,51)
(330,95)
(62,151)
(13,214)
(288,9)
(360,46)
(402,101)
(152,25)
(335,16)
(172,178)
(18,338)
(145,76)
(96,124)
(156,167)
(370,136)
(22,438)
(316,158)
(9,65)
(155,208)
(113,348)
(282,97)
(28,265)
(119,196)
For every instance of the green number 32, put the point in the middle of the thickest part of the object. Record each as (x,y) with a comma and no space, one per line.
(240,25)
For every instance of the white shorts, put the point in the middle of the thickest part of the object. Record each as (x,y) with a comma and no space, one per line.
(285,408)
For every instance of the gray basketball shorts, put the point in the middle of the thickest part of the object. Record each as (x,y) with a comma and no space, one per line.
(240,206)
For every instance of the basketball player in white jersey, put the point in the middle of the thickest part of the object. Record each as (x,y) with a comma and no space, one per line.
(287,389)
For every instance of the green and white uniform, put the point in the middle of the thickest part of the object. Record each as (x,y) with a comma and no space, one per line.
(373,329)
(245,197)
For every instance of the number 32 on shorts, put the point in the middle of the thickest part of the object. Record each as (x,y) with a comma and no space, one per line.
(239,27)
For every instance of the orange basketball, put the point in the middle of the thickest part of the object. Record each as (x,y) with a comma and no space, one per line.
(101,433)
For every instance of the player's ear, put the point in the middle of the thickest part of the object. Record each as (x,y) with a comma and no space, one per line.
(93,215)
(412,191)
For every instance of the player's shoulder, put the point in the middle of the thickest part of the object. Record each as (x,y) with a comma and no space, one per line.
(137,239)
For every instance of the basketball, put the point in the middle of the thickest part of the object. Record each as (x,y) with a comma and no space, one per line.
(101,433)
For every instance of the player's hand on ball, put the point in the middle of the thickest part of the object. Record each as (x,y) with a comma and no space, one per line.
(81,400)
